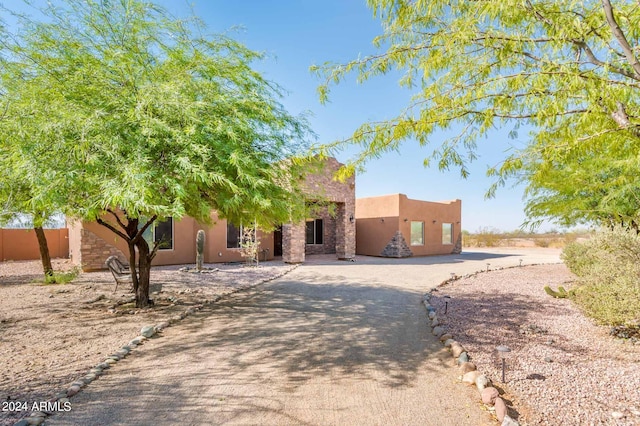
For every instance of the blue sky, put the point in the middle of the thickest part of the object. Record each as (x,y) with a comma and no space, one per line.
(298,33)
(295,34)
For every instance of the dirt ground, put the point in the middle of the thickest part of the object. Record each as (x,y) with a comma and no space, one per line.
(51,335)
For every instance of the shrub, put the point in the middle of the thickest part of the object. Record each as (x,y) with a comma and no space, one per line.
(608,270)
(61,277)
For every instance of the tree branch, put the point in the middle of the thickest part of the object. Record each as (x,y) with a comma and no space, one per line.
(117,219)
(114,229)
(619,35)
(144,228)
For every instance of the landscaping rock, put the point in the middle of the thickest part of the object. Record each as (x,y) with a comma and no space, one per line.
(34,421)
(501,409)
(134,343)
(456,349)
(465,367)
(508,421)
(437,331)
(162,326)
(445,337)
(435,322)
(23,422)
(432,314)
(448,343)
(464,357)
(73,390)
(148,331)
(482,382)
(489,395)
(470,377)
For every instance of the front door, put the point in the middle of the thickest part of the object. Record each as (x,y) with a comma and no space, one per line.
(277,241)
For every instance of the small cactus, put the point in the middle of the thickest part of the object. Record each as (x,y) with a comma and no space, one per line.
(560,294)
(199,249)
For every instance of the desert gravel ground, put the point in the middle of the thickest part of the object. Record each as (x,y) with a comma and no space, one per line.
(563,369)
(331,343)
(50,336)
(349,347)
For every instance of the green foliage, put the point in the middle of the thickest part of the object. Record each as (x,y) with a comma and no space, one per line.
(61,277)
(565,69)
(560,294)
(608,270)
(130,115)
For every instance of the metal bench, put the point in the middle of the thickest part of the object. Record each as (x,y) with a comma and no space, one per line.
(121,272)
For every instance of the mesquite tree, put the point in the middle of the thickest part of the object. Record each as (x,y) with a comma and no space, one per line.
(153,119)
(566,69)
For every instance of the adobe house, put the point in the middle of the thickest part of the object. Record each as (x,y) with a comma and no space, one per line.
(397,226)
(332,231)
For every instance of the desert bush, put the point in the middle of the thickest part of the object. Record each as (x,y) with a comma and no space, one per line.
(487,237)
(542,242)
(61,277)
(608,270)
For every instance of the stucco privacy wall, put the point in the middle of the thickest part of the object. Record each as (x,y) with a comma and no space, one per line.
(22,244)
(383,222)
(93,243)
(321,185)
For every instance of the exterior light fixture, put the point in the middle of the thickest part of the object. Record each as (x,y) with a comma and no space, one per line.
(520,262)
(351,219)
(406,220)
(446,303)
(382,219)
(453,275)
(503,351)
(434,221)
(488,264)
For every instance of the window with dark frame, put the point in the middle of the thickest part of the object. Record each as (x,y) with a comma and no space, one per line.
(315,231)
(234,235)
(161,232)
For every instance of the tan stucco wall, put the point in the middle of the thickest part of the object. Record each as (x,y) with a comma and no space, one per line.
(428,212)
(373,234)
(92,243)
(22,244)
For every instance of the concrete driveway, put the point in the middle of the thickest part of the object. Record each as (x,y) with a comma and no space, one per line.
(331,343)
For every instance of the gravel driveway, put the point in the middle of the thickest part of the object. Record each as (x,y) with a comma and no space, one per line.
(331,343)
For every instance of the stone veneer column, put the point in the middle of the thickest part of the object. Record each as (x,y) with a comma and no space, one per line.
(293,242)
(94,251)
(345,230)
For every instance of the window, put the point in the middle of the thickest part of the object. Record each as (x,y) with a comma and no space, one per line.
(447,233)
(417,233)
(234,235)
(161,232)
(315,231)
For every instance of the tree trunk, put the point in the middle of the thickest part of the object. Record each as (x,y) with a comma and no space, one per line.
(133,267)
(144,274)
(44,252)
